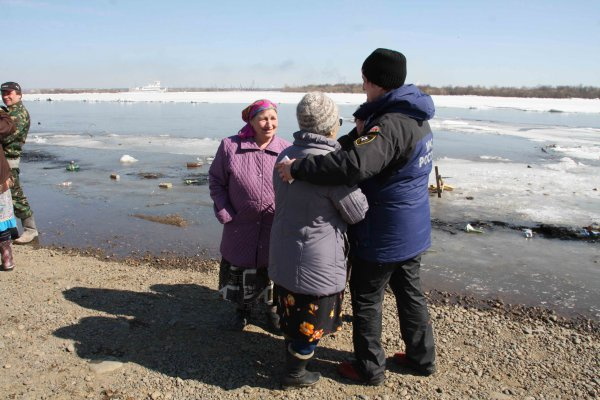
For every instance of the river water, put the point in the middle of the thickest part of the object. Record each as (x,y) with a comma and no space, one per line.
(88,209)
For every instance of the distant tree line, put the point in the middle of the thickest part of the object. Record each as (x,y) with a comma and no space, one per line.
(554,92)
(335,88)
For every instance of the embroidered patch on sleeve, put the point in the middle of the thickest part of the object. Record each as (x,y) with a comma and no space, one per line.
(365,139)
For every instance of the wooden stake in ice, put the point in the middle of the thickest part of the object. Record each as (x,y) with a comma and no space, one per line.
(438,182)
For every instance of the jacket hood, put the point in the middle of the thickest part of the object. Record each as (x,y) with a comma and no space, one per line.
(407,99)
(309,139)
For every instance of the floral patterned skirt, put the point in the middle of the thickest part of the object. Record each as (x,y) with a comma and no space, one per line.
(8,223)
(308,317)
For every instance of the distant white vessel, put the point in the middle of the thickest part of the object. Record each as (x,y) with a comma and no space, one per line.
(152,87)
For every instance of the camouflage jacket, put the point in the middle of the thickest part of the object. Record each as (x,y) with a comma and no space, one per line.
(13,143)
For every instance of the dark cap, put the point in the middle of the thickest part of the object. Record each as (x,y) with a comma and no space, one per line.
(385,68)
(11,86)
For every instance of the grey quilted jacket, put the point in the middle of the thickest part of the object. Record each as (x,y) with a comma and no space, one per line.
(307,250)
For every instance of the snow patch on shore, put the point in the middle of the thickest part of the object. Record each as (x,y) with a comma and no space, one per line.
(471,102)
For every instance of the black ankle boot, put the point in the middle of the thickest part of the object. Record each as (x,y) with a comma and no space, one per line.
(296,375)
(239,320)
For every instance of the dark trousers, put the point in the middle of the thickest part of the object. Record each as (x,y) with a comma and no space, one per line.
(367,287)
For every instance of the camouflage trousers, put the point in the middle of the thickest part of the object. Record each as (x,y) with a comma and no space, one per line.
(20,203)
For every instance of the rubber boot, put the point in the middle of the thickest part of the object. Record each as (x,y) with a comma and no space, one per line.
(30,231)
(8,263)
(296,375)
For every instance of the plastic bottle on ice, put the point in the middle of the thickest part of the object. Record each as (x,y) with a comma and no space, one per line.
(72,166)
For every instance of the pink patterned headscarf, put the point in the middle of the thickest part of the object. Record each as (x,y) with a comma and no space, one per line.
(250,112)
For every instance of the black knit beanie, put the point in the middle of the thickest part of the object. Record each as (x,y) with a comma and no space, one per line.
(385,68)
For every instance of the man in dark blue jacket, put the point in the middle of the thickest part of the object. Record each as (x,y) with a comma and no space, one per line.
(389,155)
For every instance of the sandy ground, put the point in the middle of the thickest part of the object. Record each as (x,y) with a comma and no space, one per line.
(76,326)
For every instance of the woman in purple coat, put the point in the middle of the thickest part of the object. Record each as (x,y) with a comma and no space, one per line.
(240,182)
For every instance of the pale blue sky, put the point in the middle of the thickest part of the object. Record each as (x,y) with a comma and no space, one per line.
(119,43)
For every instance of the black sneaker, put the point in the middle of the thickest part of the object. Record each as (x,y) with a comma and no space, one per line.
(402,360)
(351,371)
(239,320)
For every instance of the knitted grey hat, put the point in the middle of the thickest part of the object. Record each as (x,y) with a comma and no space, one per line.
(317,113)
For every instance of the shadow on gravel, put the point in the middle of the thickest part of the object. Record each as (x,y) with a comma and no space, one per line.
(179,331)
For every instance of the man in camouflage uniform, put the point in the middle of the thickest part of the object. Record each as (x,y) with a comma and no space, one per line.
(12,145)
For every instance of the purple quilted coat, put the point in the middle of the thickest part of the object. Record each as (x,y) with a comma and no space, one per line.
(241,186)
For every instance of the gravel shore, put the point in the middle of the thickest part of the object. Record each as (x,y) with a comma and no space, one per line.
(76,326)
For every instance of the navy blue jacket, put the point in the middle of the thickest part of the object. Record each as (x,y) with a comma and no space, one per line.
(391,160)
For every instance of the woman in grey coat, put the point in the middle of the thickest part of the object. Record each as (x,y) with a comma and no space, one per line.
(307,252)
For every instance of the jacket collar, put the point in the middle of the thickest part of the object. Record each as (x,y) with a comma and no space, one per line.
(309,139)
(250,145)
(15,106)
(407,100)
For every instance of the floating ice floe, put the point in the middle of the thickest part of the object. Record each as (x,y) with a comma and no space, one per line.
(591,152)
(493,158)
(565,164)
(127,159)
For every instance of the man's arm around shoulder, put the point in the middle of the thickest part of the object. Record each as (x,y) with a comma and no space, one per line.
(368,155)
